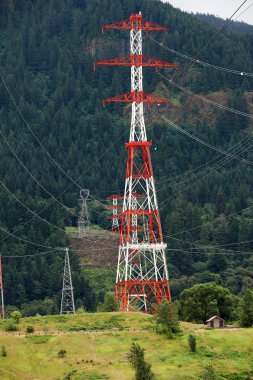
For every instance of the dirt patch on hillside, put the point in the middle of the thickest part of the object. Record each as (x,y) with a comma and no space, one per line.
(97,249)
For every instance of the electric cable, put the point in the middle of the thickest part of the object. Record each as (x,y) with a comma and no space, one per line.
(230,155)
(98,159)
(193,94)
(199,62)
(220,30)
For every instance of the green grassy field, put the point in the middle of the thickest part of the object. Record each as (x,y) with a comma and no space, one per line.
(92,353)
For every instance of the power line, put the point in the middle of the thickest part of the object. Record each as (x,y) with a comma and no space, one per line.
(32,176)
(199,62)
(235,149)
(226,23)
(99,158)
(205,99)
(230,155)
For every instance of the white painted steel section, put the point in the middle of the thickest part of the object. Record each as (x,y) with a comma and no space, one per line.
(138,130)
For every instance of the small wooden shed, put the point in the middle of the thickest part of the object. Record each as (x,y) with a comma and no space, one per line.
(215,322)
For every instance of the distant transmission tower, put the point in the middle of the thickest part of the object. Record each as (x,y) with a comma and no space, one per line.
(115,207)
(67,299)
(83,220)
(142,276)
(1,288)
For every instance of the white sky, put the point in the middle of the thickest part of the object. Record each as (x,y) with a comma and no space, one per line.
(221,8)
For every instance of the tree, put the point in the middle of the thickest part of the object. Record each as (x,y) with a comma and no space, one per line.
(110,302)
(201,301)
(246,314)
(192,343)
(166,317)
(138,363)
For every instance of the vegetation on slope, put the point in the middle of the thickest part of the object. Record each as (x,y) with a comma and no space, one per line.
(102,355)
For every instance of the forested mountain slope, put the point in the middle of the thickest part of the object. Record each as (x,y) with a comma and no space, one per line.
(47,50)
(234,26)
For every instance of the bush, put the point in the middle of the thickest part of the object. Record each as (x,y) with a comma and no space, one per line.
(62,353)
(10,326)
(46,307)
(29,329)
(208,373)
(166,318)
(110,303)
(192,343)
(16,315)
(3,351)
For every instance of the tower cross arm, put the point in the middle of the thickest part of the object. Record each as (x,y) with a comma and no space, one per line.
(135,60)
(135,22)
(135,96)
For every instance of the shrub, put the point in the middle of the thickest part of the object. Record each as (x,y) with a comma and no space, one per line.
(62,353)
(208,373)
(3,351)
(110,303)
(192,343)
(29,329)
(16,315)
(10,326)
(166,318)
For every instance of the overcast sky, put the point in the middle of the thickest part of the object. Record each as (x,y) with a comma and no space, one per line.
(221,8)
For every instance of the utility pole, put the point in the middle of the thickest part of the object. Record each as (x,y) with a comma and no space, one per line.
(67,299)
(142,276)
(1,288)
(83,220)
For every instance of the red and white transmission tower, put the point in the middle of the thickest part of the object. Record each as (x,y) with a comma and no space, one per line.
(115,207)
(1,289)
(142,276)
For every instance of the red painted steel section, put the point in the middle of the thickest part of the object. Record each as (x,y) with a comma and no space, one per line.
(153,290)
(135,96)
(135,22)
(135,60)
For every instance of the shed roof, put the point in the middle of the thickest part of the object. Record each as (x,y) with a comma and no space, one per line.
(215,316)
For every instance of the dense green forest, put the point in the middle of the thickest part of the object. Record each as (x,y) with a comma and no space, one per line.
(51,97)
(234,26)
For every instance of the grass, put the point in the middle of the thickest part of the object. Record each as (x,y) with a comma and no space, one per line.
(102,354)
(74,230)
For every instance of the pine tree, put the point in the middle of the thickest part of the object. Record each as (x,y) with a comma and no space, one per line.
(138,363)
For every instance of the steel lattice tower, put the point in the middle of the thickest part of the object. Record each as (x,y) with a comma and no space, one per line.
(83,220)
(1,289)
(67,299)
(115,207)
(142,276)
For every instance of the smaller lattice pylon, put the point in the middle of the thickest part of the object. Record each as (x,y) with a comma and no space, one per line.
(116,208)
(83,220)
(67,299)
(1,289)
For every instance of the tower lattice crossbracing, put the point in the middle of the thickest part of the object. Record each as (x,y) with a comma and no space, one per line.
(142,276)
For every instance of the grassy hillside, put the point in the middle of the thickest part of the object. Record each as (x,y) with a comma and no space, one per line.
(98,354)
